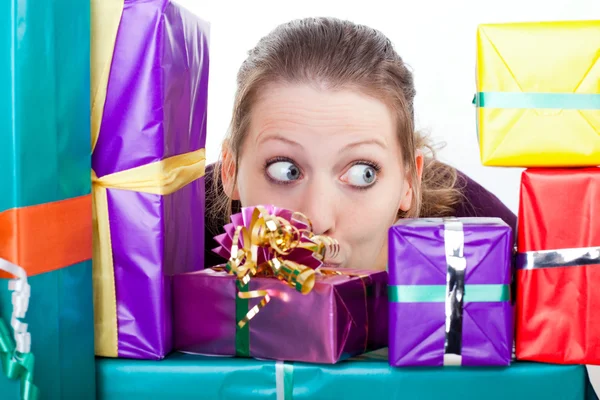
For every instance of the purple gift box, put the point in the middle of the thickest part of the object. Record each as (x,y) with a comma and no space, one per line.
(343,316)
(449,292)
(155,109)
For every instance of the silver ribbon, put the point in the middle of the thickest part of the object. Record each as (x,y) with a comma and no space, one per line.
(20,302)
(559,258)
(284,385)
(454,240)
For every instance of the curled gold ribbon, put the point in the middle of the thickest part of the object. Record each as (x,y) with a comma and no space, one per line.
(280,237)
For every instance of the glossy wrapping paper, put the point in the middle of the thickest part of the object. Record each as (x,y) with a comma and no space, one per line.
(45,201)
(538,99)
(184,376)
(149,93)
(62,334)
(342,316)
(558,266)
(417,261)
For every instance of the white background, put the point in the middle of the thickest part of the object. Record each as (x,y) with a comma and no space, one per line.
(436,38)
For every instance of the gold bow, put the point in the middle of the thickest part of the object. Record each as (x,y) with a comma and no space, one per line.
(280,237)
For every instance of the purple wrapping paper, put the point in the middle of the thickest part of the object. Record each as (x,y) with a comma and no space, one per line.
(155,108)
(417,257)
(341,317)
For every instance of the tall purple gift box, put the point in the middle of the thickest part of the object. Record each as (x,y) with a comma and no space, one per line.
(449,292)
(148,133)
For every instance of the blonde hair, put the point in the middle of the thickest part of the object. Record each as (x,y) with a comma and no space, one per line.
(335,54)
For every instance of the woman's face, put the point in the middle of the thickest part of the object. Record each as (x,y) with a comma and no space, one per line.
(332,155)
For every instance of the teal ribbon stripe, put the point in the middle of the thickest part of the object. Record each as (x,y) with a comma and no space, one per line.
(242,335)
(288,381)
(437,293)
(565,101)
(284,380)
(17,366)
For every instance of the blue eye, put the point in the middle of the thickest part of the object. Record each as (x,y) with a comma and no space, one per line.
(360,175)
(283,171)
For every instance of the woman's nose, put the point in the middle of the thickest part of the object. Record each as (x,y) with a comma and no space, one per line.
(319,206)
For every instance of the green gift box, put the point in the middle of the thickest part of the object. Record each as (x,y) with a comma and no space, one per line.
(45,200)
(186,376)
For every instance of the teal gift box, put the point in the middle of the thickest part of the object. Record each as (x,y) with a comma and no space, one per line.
(186,376)
(45,198)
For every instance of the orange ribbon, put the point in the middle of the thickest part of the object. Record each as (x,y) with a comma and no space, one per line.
(34,237)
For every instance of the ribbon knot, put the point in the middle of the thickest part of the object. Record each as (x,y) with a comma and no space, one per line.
(162,178)
(279,237)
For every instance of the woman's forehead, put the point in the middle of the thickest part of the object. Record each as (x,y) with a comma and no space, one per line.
(348,115)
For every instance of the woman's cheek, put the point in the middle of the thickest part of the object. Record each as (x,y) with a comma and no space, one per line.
(373,217)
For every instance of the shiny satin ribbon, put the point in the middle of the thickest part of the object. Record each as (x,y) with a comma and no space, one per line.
(565,101)
(34,237)
(573,257)
(284,380)
(454,241)
(484,293)
(162,178)
(106,17)
(16,357)
(105,20)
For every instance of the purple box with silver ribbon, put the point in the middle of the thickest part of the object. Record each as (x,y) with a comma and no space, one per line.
(449,292)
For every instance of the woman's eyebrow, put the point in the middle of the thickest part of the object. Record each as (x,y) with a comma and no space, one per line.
(280,138)
(365,142)
(372,142)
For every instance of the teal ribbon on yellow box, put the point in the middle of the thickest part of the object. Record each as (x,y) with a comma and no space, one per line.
(567,101)
(538,95)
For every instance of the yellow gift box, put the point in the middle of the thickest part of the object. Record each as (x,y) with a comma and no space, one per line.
(538,94)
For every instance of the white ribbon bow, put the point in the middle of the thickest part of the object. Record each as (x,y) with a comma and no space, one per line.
(20,302)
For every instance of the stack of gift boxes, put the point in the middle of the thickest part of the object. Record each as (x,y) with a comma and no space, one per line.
(96,214)
(447,298)
(538,107)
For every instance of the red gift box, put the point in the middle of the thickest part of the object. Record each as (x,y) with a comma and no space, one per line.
(558,266)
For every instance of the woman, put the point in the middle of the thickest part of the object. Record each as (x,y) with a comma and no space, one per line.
(323,123)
